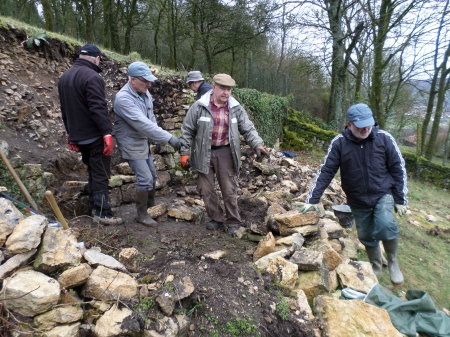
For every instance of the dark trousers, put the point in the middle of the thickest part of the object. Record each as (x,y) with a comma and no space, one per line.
(221,165)
(99,171)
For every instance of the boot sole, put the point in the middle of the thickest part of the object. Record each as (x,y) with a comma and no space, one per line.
(152,225)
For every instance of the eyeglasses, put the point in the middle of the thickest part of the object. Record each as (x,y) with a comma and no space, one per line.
(144,81)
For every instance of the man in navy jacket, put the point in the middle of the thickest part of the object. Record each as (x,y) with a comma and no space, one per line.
(373,177)
(85,115)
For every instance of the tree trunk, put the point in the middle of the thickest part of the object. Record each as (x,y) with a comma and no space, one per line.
(48,15)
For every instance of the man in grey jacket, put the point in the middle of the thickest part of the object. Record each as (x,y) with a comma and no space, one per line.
(210,144)
(135,127)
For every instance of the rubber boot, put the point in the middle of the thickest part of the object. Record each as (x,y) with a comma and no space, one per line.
(151,197)
(374,254)
(394,270)
(141,206)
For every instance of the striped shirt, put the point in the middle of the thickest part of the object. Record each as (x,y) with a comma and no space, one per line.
(220,128)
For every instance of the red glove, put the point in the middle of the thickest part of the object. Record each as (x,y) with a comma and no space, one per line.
(72,147)
(107,145)
(184,161)
(261,152)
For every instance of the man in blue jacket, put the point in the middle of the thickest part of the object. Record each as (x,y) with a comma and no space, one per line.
(373,177)
(85,115)
(135,127)
(197,83)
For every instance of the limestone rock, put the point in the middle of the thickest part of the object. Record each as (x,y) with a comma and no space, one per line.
(265,246)
(352,318)
(64,331)
(95,258)
(15,263)
(117,322)
(285,271)
(185,213)
(59,249)
(26,235)
(30,292)
(307,259)
(264,262)
(295,241)
(10,216)
(129,258)
(107,284)
(157,210)
(60,315)
(333,228)
(357,275)
(313,283)
(330,256)
(303,305)
(75,276)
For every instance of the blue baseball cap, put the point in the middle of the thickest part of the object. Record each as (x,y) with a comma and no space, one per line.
(136,69)
(360,115)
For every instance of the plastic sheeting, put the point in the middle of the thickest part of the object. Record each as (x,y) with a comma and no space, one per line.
(417,314)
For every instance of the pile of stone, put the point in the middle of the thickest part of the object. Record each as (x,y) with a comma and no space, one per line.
(107,284)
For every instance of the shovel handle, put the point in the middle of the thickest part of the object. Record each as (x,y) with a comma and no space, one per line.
(18,181)
(52,201)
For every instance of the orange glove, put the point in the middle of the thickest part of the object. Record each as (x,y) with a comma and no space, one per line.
(73,147)
(107,145)
(261,151)
(184,161)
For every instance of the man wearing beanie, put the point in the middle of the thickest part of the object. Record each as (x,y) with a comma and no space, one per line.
(86,120)
(373,177)
(210,144)
(135,127)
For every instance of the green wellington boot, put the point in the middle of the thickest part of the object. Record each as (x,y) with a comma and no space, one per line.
(394,270)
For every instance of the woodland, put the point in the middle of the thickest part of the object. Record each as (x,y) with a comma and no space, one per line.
(323,55)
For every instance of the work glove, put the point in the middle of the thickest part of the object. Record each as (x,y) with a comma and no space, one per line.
(184,161)
(400,209)
(157,149)
(107,145)
(260,152)
(306,207)
(175,143)
(72,147)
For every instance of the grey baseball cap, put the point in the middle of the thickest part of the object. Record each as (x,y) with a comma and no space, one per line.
(360,115)
(136,69)
(194,76)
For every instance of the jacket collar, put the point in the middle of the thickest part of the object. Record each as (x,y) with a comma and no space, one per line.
(204,100)
(127,87)
(89,64)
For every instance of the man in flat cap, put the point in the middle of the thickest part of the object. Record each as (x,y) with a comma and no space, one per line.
(373,177)
(210,144)
(136,126)
(86,120)
(197,83)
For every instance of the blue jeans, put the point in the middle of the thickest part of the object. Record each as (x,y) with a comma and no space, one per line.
(376,224)
(145,172)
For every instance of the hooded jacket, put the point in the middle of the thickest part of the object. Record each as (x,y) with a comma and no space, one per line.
(369,169)
(82,96)
(198,127)
(136,124)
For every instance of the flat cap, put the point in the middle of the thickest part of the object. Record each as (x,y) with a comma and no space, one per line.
(224,79)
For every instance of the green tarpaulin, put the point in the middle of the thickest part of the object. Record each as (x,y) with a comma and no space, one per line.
(417,314)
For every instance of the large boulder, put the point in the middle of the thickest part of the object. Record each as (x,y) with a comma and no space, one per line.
(30,293)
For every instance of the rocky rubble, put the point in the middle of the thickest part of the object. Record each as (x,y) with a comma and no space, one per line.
(311,254)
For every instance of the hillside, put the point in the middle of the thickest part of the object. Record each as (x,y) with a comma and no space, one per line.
(231,296)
